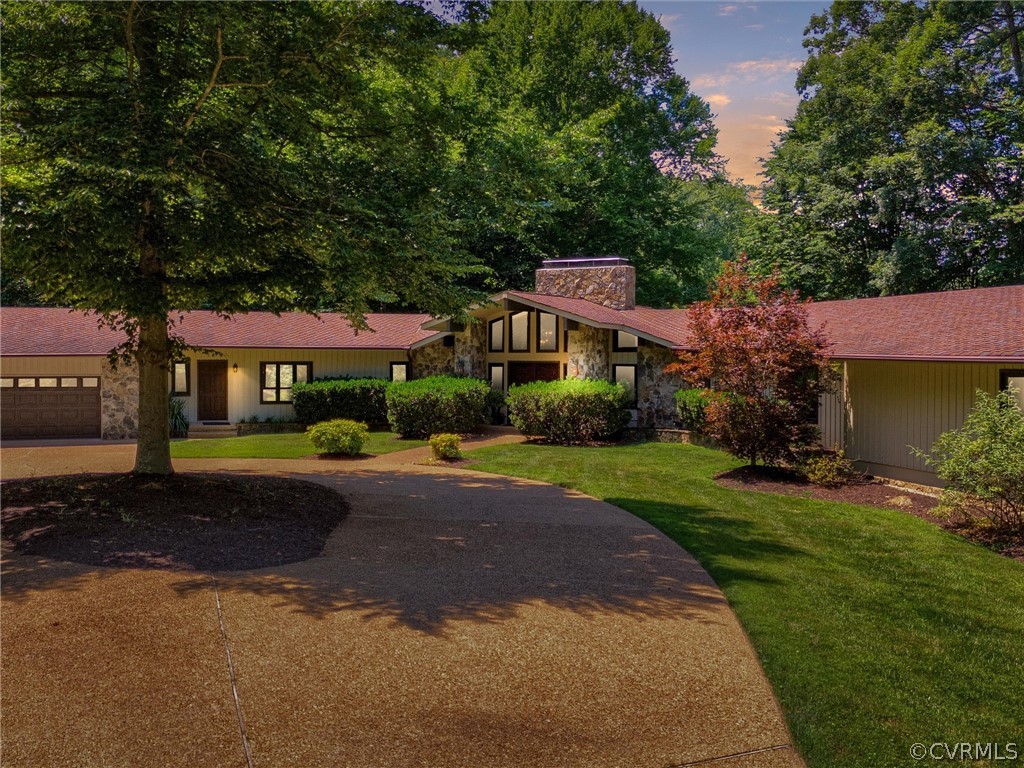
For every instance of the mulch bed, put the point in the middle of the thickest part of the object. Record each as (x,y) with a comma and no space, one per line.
(188,521)
(871,492)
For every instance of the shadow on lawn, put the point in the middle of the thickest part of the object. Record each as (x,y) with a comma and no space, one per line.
(721,542)
(426,550)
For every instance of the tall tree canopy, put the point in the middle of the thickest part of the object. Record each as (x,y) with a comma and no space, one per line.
(588,143)
(903,169)
(162,156)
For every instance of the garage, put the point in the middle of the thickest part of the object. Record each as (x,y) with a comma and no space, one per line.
(49,406)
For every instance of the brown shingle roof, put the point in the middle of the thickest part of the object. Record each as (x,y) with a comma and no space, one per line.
(976,324)
(49,331)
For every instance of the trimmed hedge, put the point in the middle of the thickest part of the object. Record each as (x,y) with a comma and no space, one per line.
(690,404)
(338,436)
(569,412)
(326,399)
(424,407)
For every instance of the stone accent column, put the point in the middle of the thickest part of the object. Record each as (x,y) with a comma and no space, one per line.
(589,353)
(656,405)
(613,286)
(432,360)
(471,351)
(119,401)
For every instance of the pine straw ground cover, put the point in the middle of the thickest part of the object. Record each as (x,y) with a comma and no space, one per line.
(188,521)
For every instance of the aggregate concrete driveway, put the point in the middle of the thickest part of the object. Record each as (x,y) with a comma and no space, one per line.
(453,619)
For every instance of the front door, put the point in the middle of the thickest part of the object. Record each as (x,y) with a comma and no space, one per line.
(212,386)
(523,372)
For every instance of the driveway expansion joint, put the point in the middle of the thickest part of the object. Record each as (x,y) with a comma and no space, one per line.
(734,756)
(231,675)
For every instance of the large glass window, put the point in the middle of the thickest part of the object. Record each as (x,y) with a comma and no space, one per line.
(181,379)
(277,380)
(624,342)
(547,332)
(519,338)
(626,376)
(496,331)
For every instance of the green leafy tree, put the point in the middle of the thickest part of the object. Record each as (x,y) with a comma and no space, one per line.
(588,143)
(229,155)
(902,169)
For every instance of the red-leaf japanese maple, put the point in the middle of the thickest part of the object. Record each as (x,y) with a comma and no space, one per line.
(762,366)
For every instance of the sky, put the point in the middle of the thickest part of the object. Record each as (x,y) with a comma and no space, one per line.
(742,58)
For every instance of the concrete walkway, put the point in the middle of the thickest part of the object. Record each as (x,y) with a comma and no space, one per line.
(454,619)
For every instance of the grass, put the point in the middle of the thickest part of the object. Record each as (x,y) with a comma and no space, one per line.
(877,629)
(289,445)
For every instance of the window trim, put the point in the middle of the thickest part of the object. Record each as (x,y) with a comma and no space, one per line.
(1005,374)
(490,334)
(490,378)
(394,363)
(616,347)
(636,383)
(511,346)
(263,379)
(547,351)
(187,362)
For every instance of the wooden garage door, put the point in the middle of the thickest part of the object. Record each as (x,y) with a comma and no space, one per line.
(49,406)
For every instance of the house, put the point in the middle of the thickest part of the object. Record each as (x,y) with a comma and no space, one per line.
(910,364)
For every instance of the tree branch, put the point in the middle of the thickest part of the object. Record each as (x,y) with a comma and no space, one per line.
(210,85)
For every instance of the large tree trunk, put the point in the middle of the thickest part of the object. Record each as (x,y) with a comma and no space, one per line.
(153,452)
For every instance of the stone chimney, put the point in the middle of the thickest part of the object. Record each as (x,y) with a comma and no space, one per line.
(607,280)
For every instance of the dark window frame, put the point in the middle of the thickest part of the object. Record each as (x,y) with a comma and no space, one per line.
(636,382)
(537,335)
(616,347)
(490,380)
(1005,374)
(511,347)
(394,363)
(490,334)
(187,362)
(277,389)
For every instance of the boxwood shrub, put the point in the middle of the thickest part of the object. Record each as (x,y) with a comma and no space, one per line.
(690,404)
(326,399)
(338,436)
(569,412)
(424,407)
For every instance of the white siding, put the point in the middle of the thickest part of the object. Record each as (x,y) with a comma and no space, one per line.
(244,385)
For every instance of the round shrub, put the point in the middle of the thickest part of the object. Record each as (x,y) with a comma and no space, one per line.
(569,412)
(446,446)
(690,404)
(326,399)
(342,436)
(829,470)
(424,407)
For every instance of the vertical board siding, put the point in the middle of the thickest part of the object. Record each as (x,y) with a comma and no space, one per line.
(895,405)
(244,385)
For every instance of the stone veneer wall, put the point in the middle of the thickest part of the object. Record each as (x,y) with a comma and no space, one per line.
(656,405)
(613,287)
(471,351)
(432,360)
(588,353)
(119,401)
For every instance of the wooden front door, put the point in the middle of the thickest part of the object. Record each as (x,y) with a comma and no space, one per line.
(212,390)
(523,372)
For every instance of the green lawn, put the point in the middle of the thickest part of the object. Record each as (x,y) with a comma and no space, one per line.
(878,630)
(294,445)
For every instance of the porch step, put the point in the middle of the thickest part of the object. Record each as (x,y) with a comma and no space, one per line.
(201,431)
